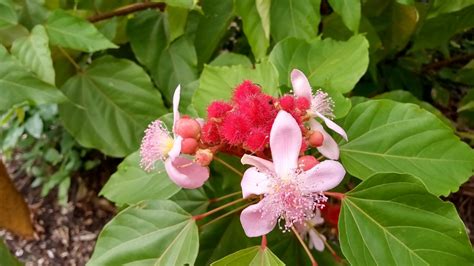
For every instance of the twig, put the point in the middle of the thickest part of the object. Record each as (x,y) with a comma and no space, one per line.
(225,215)
(447,62)
(123,11)
(70,59)
(233,169)
(225,197)
(311,258)
(203,215)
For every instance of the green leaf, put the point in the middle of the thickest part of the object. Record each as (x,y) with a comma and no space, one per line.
(177,65)
(349,10)
(177,18)
(406,97)
(68,31)
(391,219)
(437,31)
(250,256)
(263,9)
(6,258)
(194,201)
(33,52)
(155,232)
(101,114)
(440,6)
(212,26)
(148,38)
(297,19)
(386,136)
(230,59)
(329,64)
(188,4)
(130,184)
(217,83)
(34,126)
(18,85)
(467,102)
(253,26)
(8,16)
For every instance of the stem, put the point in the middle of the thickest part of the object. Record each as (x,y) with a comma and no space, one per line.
(203,215)
(447,62)
(333,252)
(125,10)
(70,59)
(225,197)
(308,252)
(264,242)
(337,195)
(225,215)
(466,135)
(228,166)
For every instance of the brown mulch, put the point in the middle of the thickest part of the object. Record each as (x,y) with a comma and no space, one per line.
(64,235)
(464,202)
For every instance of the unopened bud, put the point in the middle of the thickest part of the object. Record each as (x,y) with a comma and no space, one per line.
(187,127)
(189,146)
(315,139)
(204,157)
(307,162)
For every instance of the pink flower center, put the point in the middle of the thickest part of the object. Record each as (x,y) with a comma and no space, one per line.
(287,201)
(323,104)
(156,144)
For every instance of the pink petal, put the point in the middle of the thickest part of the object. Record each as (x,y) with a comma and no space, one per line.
(254,223)
(316,240)
(285,143)
(324,176)
(333,126)
(329,148)
(176,97)
(176,150)
(300,84)
(186,173)
(254,182)
(262,164)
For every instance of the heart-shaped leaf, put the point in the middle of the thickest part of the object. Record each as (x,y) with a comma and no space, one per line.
(250,256)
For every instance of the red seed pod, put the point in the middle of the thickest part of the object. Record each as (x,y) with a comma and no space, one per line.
(189,146)
(316,139)
(204,157)
(187,127)
(307,162)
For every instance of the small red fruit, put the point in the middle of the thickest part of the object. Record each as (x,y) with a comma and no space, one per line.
(307,162)
(204,157)
(316,139)
(189,146)
(187,127)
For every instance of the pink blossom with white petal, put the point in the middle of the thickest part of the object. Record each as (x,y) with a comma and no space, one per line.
(307,231)
(289,193)
(321,107)
(159,145)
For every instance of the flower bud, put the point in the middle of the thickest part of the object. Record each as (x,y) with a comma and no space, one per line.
(315,139)
(204,157)
(189,146)
(307,162)
(187,127)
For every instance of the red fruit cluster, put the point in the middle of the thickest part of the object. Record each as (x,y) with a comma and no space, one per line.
(244,123)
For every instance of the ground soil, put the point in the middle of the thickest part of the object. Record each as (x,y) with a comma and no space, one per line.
(64,235)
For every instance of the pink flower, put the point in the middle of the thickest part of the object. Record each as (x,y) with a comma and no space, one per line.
(321,106)
(306,230)
(289,193)
(158,144)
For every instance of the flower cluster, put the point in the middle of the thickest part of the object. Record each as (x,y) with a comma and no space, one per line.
(275,135)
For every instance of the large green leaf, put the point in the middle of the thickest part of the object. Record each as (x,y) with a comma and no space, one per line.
(441,6)
(291,18)
(151,233)
(177,65)
(33,52)
(148,38)
(131,184)
(112,102)
(18,85)
(194,201)
(349,10)
(253,27)
(212,26)
(250,256)
(407,97)
(437,31)
(8,16)
(76,33)
(217,83)
(386,136)
(330,64)
(391,219)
